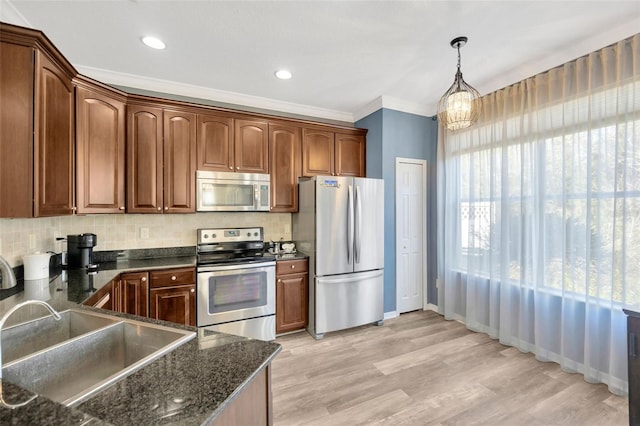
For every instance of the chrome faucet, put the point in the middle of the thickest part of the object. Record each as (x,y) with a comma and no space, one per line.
(55,315)
(8,277)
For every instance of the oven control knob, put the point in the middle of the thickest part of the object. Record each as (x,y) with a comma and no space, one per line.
(255,234)
(213,235)
(248,234)
(206,236)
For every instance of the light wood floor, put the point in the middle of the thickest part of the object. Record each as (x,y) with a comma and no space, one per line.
(419,369)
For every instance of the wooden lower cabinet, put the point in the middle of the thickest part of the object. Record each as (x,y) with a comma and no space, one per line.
(133,293)
(173,295)
(292,290)
(253,406)
(168,294)
(174,304)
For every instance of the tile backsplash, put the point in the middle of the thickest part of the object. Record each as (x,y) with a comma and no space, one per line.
(128,231)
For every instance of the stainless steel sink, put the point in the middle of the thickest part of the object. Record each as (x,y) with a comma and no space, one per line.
(77,368)
(33,336)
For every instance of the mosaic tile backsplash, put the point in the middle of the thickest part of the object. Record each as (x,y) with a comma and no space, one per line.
(128,231)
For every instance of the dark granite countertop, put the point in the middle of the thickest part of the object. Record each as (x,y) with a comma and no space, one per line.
(191,385)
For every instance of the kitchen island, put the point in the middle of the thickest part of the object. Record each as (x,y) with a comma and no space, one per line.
(208,380)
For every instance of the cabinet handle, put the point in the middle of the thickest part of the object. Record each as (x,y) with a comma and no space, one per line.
(237,167)
(121,208)
(293,266)
(279,280)
(230,167)
(166,207)
(193,290)
(173,277)
(144,279)
(159,208)
(632,346)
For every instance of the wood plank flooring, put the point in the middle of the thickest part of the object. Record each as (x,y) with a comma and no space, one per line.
(419,369)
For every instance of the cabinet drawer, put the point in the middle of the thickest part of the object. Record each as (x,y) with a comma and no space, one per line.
(284,267)
(172,277)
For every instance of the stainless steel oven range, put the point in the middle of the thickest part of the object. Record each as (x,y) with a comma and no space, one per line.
(236,283)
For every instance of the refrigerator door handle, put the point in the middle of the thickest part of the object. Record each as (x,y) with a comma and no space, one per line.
(349,224)
(358,236)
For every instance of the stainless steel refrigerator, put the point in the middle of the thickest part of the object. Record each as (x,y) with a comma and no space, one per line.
(340,224)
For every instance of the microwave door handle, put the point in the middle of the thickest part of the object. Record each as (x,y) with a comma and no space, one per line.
(256,196)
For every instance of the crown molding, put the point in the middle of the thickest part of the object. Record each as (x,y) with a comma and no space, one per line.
(189,90)
(11,15)
(396,104)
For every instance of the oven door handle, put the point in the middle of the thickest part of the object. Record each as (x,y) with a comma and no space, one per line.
(236,267)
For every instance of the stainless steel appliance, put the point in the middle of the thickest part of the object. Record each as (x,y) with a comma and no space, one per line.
(340,224)
(80,250)
(236,283)
(223,191)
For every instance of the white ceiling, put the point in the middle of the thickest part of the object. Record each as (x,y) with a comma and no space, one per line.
(348,58)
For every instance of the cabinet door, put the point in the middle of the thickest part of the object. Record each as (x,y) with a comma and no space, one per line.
(134,293)
(175,304)
(54,140)
(100,146)
(103,298)
(291,302)
(179,162)
(285,159)
(215,143)
(317,153)
(144,159)
(350,155)
(16,130)
(251,146)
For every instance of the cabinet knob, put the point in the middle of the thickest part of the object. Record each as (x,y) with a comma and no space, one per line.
(143,279)
(173,277)
(121,208)
(166,207)
(279,280)
(193,290)
(237,167)
(159,208)
(293,266)
(230,167)
(74,208)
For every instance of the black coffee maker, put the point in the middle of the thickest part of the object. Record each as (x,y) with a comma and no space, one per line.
(80,250)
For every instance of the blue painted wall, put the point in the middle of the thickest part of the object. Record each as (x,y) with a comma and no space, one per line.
(398,134)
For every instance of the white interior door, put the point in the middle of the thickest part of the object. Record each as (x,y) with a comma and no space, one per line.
(410,234)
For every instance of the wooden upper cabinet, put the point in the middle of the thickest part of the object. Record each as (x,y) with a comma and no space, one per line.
(53,140)
(215,143)
(16,130)
(251,146)
(285,147)
(179,162)
(317,153)
(100,150)
(350,155)
(144,159)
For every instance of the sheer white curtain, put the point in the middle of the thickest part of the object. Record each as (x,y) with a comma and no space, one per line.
(539,214)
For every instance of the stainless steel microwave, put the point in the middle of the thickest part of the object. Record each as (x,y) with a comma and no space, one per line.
(229,192)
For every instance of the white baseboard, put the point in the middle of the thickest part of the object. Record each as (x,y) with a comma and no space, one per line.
(431,307)
(391,314)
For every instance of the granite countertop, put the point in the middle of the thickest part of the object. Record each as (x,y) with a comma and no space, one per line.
(191,385)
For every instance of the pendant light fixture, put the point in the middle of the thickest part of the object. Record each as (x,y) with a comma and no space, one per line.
(460,106)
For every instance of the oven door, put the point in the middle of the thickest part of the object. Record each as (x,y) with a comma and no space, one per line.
(235,292)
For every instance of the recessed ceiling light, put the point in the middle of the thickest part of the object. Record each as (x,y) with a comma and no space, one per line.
(283,74)
(154,43)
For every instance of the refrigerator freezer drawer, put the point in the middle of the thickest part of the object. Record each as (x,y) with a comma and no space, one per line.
(349,300)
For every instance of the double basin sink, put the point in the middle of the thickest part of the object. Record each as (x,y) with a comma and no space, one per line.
(71,360)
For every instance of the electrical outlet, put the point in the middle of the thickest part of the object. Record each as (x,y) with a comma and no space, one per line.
(32,241)
(144,233)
